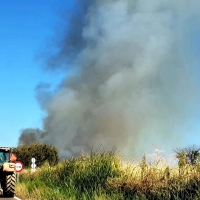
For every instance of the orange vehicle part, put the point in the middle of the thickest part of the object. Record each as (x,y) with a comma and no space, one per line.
(13,157)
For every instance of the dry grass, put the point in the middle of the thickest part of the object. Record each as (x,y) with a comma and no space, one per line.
(23,192)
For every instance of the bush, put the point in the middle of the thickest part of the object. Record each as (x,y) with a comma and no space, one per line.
(41,152)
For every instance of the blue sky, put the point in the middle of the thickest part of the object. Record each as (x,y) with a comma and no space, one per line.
(24,28)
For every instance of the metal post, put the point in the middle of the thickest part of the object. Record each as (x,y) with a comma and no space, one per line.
(17,176)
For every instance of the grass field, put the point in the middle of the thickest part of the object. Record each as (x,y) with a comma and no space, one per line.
(103,175)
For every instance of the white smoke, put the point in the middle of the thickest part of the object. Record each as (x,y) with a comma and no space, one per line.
(134,81)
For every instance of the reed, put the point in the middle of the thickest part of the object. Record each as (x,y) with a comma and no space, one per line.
(103,175)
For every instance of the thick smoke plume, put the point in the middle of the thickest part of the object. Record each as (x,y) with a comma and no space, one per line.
(131,76)
(30,135)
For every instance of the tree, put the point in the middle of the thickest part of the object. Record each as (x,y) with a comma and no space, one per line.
(41,152)
(191,154)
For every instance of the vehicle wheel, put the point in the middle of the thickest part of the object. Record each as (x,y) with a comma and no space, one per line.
(9,185)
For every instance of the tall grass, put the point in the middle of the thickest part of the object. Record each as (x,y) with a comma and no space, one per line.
(76,178)
(102,175)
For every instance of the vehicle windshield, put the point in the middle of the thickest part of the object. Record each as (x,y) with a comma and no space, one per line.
(4,157)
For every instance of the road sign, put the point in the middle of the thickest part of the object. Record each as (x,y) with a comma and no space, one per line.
(19,166)
(33,166)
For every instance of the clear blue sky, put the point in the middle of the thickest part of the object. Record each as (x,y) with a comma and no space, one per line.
(24,28)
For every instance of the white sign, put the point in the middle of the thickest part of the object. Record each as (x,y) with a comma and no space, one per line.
(33,166)
(19,166)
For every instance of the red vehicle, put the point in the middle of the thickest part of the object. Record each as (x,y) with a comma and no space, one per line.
(7,171)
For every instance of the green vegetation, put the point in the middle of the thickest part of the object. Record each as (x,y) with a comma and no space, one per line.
(41,152)
(103,175)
